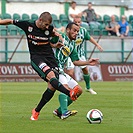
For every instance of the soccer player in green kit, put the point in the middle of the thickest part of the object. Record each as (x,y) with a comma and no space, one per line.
(81,37)
(69,50)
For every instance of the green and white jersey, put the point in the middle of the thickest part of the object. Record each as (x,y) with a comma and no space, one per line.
(69,50)
(81,37)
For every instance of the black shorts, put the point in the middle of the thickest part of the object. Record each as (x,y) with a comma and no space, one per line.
(112,33)
(39,62)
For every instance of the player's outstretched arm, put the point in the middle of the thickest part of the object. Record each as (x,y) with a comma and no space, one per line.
(6,21)
(92,62)
(57,45)
(55,33)
(92,40)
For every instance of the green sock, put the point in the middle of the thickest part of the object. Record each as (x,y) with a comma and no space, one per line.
(87,80)
(69,101)
(63,103)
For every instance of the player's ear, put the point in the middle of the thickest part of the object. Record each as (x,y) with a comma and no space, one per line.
(67,30)
(40,19)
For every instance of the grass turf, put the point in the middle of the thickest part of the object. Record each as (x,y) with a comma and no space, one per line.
(114,99)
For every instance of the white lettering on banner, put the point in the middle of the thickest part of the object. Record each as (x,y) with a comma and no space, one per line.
(30,70)
(15,70)
(18,73)
(125,69)
(21,69)
(26,70)
(8,70)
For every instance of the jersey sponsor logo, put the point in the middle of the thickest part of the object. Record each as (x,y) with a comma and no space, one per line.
(46,32)
(37,37)
(65,50)
(33,42)
(38,43)
(42,65)
(78,41)
(30,29)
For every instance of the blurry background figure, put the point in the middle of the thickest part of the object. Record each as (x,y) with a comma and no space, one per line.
(95,73)
(94,76)
(111,26)
(73,11)
(123,27)
(91,16)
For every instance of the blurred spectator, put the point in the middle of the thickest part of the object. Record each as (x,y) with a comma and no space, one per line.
(91,16)
(73,11)
(111,26)
(123,27)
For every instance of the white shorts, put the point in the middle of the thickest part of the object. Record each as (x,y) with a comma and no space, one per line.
(66,79)
(70,64)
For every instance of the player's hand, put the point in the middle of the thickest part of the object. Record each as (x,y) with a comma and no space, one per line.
(100,48)
(59,45)
(94,61)
(59,35)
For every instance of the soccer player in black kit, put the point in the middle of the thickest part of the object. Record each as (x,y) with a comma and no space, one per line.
(38,34)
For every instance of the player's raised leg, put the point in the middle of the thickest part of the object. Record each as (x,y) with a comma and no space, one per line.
(53,84)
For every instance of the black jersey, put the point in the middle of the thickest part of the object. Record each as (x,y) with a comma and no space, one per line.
(38,40)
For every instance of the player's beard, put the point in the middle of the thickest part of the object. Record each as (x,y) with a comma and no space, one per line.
(72,37)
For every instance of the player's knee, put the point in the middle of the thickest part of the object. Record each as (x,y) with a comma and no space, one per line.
(49,73)
(62,96)
(80,91)
(71,73)
(85,70)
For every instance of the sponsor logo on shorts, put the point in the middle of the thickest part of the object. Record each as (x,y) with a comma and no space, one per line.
(46,68)
(42,65)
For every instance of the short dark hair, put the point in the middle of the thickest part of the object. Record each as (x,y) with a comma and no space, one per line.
(89,3)
(73,2)
(69,26)
(46,16)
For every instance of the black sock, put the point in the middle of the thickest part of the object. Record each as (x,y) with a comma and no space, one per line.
(47,95)
(58,86)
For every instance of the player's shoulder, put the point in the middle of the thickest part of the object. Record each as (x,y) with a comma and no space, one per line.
(83,29)
(51,26)
(64,35)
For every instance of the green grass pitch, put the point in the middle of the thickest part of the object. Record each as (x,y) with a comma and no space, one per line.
(114,99)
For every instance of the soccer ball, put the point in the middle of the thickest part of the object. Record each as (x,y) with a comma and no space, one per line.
(94,116)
